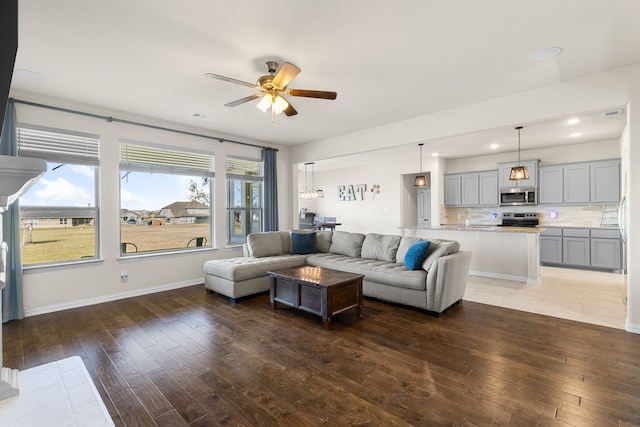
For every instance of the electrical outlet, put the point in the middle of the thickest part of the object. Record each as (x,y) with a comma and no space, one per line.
(123,276)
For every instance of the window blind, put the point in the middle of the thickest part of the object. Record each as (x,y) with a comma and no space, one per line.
(242,168)
(58,145)
(147,158)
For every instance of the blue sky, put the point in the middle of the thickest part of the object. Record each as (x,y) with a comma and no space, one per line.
(73,185)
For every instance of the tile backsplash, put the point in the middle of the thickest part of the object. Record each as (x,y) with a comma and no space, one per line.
(565,216)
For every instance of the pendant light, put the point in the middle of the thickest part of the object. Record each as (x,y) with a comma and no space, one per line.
(421,180)
(313,193)
(519,172)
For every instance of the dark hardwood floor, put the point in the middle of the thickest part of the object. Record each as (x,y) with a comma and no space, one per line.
(186,357)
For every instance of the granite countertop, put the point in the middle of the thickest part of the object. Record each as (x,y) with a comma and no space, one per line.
(480,227)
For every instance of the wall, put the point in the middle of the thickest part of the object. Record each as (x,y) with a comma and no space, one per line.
(61,287)
(596,92)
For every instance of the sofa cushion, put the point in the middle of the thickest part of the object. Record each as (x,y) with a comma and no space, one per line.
(416,255)
(238,269)
(374,270)
(323,240)
(345,243)
(440,248)
(265,244)
(380,246)
(403,247)
(303,243)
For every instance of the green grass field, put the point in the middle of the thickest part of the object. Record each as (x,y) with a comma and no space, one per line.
(72,243)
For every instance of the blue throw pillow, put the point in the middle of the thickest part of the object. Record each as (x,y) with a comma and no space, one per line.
(416,255)
(303,243)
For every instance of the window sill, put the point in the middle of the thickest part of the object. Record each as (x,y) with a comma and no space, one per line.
(40,268)
(137,255)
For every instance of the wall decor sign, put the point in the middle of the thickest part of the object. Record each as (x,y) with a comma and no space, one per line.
(351,192)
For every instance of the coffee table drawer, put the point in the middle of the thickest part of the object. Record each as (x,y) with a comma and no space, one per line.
(286,291)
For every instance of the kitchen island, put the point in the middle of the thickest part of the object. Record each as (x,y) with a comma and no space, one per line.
(511,253)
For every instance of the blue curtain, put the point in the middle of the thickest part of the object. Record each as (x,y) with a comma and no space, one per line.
(269,164)
(12,307)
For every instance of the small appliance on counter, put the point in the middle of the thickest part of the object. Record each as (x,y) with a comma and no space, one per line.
(519,219)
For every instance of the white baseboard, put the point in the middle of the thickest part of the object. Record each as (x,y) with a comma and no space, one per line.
(107,298)
(505,277)
(632,327)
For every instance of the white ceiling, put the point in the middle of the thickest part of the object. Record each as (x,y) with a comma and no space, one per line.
(387,61)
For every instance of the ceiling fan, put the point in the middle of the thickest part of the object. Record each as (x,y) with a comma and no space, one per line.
(273,88)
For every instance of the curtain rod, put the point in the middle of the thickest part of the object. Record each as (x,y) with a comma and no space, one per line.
(129,122)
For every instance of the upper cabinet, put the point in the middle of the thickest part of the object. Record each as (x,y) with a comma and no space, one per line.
(471,189)
(505,171)
(580,183)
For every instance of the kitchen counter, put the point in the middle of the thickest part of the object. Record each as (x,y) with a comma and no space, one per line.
(511,253)
(489,228)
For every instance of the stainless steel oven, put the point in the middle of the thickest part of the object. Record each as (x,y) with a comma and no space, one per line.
(524,196)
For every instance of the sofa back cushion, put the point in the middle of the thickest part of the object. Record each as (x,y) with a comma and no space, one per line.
(439,248)
(403,247)
(345,243)
(265,244)
(380,246)
(323,240)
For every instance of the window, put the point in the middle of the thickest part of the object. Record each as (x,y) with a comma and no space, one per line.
(244,198)
(165,198)
(59,214)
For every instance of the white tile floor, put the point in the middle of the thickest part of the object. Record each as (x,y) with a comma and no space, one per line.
(55,394)
(586,296)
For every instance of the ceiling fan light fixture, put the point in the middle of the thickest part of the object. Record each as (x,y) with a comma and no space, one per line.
(264,103)
(279,105)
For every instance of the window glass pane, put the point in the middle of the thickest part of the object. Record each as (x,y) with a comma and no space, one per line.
(163,211)
(58,215)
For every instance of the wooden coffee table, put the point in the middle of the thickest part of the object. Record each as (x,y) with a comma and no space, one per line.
(317,290)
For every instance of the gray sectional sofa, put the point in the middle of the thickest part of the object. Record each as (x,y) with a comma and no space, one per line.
(435,284)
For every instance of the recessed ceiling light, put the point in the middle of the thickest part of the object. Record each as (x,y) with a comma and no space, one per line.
(575,134)
(31,75)
(573,121)
(544,54)
(434,154)
(494,146)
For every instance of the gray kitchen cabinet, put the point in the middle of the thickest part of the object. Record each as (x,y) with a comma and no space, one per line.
(505,171)
(595,248)
(470,189)
(551,246)
(605,181)
(551,184)
(576,183)
(580,183)
(606,249)
(424,207)
(488,194)
(576,249)
(452,190)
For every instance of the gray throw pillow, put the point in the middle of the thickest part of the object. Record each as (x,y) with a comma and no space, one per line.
(403,247)
(264,244)
(438,249)
(345,243)
(380,246)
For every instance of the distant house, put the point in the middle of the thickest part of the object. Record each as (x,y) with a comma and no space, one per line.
(186,213)
(49,217)
(130,217)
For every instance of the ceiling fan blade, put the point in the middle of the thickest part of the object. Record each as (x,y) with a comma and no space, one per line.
(287,72)
(243,100)
(290,111)
(321,94)
(230,80)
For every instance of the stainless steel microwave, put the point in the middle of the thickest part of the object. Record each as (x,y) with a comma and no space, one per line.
(521,196)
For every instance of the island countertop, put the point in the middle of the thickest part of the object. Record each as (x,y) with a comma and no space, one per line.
(481,228)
